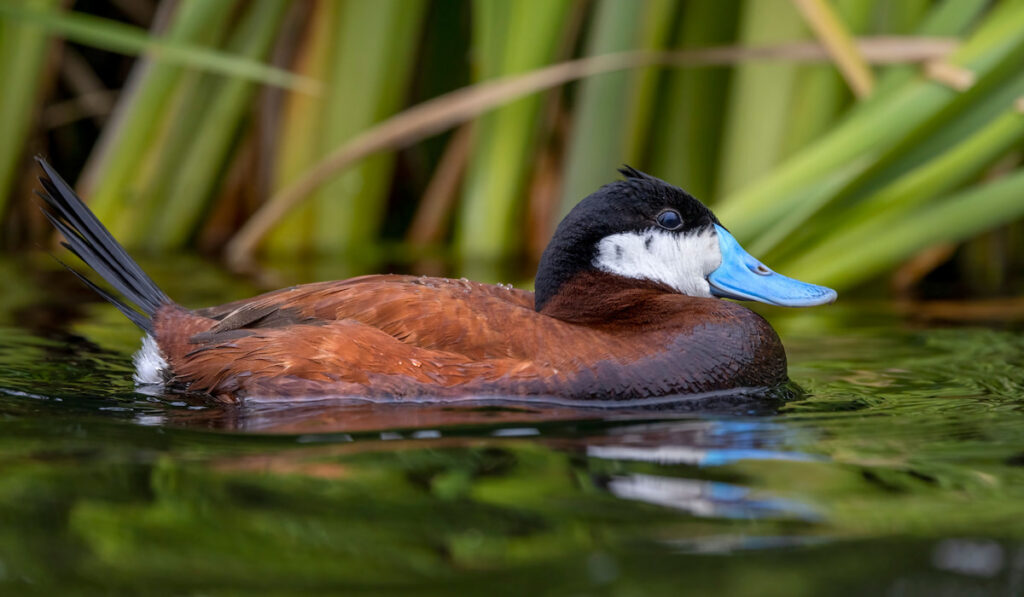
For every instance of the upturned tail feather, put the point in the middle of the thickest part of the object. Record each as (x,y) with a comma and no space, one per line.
(91,242)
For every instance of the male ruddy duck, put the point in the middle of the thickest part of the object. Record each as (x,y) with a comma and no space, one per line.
(627,306)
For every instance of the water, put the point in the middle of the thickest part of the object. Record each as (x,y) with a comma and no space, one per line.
(901,472)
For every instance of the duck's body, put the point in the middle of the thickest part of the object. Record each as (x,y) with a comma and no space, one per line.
(402,336)
(592,332)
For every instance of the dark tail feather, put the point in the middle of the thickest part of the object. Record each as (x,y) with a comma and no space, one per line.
(92,243)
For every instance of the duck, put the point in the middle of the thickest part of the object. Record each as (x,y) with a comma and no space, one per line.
(635,298)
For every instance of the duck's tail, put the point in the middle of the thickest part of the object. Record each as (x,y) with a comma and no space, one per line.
(87,238)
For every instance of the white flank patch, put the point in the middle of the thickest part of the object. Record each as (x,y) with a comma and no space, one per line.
(150,364)
(679,260)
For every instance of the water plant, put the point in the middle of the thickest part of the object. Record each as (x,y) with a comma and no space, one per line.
(838,139)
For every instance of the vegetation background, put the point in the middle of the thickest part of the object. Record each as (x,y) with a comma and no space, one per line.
(855,143)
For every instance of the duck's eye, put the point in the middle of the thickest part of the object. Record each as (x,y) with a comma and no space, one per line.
(670,220)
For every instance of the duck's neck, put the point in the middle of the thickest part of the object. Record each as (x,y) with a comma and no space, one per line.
(595,297)
(565,258)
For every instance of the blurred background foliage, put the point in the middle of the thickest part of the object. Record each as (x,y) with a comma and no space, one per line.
(870,142)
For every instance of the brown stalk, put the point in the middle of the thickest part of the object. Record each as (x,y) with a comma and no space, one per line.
(94,104)
(92,96)
(429,224)
(138,12)
(115,119)
(459,106)
(829,29)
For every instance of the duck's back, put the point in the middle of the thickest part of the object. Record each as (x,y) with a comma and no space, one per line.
(406,336)
(479,321)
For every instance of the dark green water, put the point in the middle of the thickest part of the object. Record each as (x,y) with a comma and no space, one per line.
(900,473)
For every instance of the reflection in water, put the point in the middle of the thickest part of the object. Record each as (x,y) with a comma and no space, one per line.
(702,442)
(706,498)
(729,544)
(689,455)
(330,416)
(899,473)
(347,415)
(983,558)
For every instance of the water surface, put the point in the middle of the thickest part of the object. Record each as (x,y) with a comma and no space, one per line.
(900,472)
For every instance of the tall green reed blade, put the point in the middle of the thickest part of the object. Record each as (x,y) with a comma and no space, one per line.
(960,164)
(947,18)
(820,93)
(851,182)
(118,37)
(960,118)
(685,144)
(300,133)
(957,218)
(23,48)
(654,34)
(611,108)
(111,177)
(759,206)
(900,18)
(374,50)
(168,147)
(920,158)
(752,142)
(509,37)
(190,184)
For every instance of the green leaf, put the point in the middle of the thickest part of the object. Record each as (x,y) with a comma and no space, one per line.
(611,108)
(115,172)
(127,39)
(23,49)
(753,142)
(757,207)
(686,140)
(509,38)
(373,57)
(190,185)
(862,255)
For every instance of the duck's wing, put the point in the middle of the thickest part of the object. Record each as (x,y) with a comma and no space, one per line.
(469,318)
(345,358)
(380,335)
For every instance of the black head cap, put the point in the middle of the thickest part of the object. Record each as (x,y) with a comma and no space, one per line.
(630,205)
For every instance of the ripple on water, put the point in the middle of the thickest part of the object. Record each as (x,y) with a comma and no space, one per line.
(899,470)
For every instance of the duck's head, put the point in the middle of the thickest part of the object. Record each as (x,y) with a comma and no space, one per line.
(644,229)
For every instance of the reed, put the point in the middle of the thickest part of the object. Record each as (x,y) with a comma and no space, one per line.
(111,178)
(22,54)
(952,219)
(508,38)
(188,182)
(299,140)
(820,94)
(611,112)
(810,165)
(752,143)
(805,182)
(366,62)
(690,114)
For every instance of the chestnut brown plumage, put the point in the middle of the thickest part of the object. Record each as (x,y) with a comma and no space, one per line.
(408,336)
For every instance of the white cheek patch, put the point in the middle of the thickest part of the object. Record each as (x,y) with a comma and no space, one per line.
(682,261)
(150,364)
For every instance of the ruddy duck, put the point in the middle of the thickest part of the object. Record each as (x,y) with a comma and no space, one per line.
(628,305)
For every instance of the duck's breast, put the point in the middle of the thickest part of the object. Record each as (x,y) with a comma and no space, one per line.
(680,345)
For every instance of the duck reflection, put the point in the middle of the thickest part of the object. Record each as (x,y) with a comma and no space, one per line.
(706,499)
(357,415)
(614,448)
